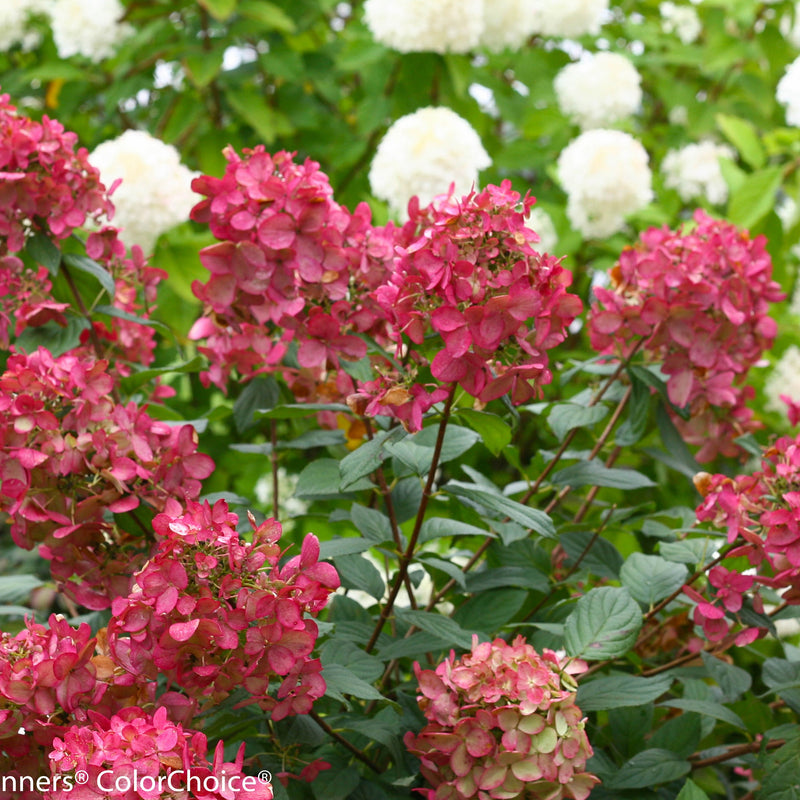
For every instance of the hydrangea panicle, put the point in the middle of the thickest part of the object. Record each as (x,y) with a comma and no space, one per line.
(213,612)
(697,302)
(502,723)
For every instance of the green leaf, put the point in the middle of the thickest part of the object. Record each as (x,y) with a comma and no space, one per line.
(681,735)
(416,451)
(781,769)
(130,383)
(532,518)
(448,567)
(494,432)
(269,15)
(267,122)
(341,681)
(652,578)
(688,551)
(340,651)
(564,417)
(635,426)
(202,66)
(17,588)
(754,199)
(602,558)
(706,708)
(321,478)
(343,547)
(488,611)
(445,628)
(367,458)
(260,394)
(499,577)
(113,311)
(742,135)
(357,572)
(593,473)
(219,9)
(91,267)
(299,410)
(42,250)
(57,339)
(733,680)
(604,624)
(372,523)
(649,768)
(676,447)
(619,691)
(417,644)
(438,527)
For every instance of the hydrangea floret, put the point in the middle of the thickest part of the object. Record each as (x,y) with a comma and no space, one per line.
(213,612)
(502,723)
(696,301)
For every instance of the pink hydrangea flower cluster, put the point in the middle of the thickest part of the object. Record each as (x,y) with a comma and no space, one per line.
(467,269)
(698,302)
(135,755)
(761,513)
(70,454)
(502,724)
(292,266)
(47,187)
(213,612)
(45,184)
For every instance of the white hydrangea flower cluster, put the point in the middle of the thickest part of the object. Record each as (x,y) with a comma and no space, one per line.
(508,23)
(89,28)
(784,379)
(680,20)
(446,26)
(598,90)
(422,154)
(15,17)
(569,18)
(695,172)
(458,26)
(606,177)
(542,223)
(788,92)
(155,193)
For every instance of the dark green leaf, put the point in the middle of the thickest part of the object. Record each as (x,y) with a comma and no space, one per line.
(499,577)
(415,645)
(593,473)
(270,16)
(91,267)
(448,567)
(347,654)
(372,523)
(438,527)
(343,547)
(416,451)
(635,425)
(341,681)
(17,588)
(652,578)
(42,250)
(673,442)
(531,518)
(604,624)
(564,417)
(113,311)
(135,380)
(681,734)
(706,708)
(733,680)
(619,691)
(649,768)
(359,573)
(360,370)
(602,558)
(298,410)
(488,611)
(260,394)
(443,627)
(321,478)
(57,339)
(266,121)
(781,770)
